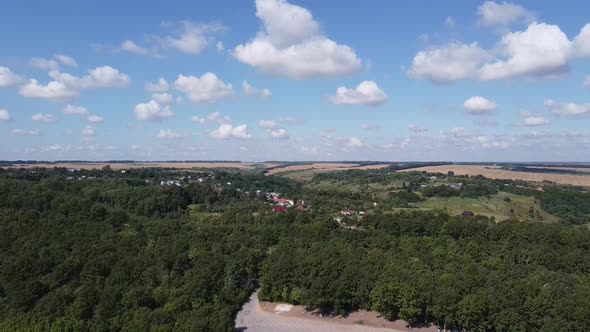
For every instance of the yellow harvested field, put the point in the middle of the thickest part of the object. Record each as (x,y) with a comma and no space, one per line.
(497,173)
(178,165)
(314,166)
(369,167)
(324,167)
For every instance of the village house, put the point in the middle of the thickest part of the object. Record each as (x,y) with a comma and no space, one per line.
(284,202)
(170,183)
(279,209)
(456,186)
(347,213)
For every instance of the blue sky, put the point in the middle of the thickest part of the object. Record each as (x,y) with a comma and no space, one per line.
(297,80)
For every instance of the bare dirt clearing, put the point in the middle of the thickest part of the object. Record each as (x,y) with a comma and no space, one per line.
(498,173)
(258,316)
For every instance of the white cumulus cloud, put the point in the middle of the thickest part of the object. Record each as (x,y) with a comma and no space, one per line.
(353,142)
(55,148)
(366,93)
(249,90)
(273,130)
(168,134)
(567,109)
(66,60)
(449,63)
(279,133)
(54,91)
(152,111)
(227,131)
(163,98)
(4,115)
(160,86)
(44,64)
(291,45)
(107,77)
(541,51)
(75,110)
(25,132)
(66,86)
(535,121)
(192,38)
(131,47)
(479,105)
(219,46)
(503,14)
(206,89)
(216,116)
(93,118)
(100,77)
(582,42)
(49,118)
(184,36)
(267,124)
(8,78)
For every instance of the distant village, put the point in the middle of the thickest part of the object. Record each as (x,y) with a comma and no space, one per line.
(279,204)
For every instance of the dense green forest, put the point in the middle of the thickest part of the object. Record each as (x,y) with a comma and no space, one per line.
(110,251)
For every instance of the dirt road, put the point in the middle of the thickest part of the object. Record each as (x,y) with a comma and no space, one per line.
(253,319)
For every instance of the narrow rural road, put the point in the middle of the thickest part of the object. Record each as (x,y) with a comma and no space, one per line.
(253,319)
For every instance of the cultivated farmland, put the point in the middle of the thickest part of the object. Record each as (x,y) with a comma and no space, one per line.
(493,172)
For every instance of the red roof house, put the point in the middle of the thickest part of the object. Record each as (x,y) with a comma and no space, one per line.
(279,209)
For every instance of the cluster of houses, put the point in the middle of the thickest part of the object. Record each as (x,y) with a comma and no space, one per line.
(456,186)
(347,213)
(80,177)
(171,183)
(281,204)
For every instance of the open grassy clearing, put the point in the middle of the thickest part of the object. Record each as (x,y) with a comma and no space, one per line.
(495,206)
(198,216)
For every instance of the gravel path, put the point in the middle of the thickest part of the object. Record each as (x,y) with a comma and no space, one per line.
(253,319)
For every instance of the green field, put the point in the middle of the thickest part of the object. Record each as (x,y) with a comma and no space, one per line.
(495,206)
(198,216)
